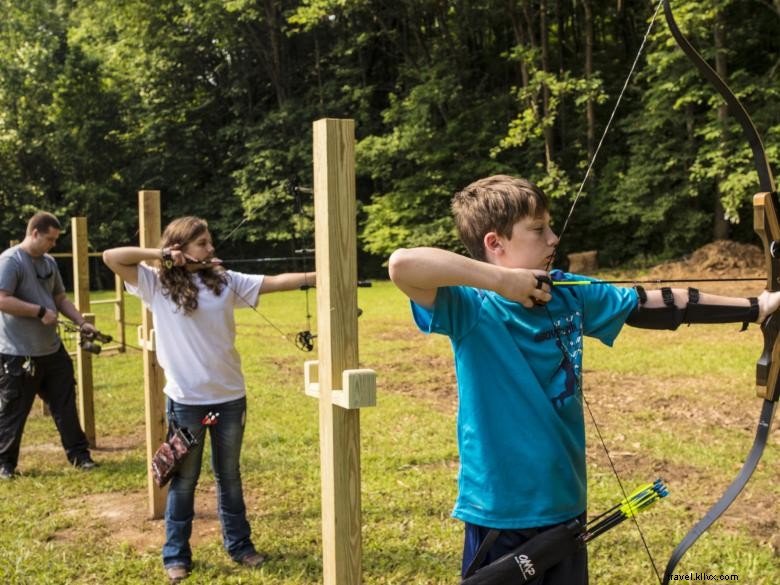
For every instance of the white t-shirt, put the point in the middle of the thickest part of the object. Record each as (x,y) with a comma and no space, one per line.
(197,351)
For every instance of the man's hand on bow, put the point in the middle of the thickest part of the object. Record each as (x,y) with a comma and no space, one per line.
(88,329)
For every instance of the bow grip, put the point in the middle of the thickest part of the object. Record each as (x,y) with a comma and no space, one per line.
(767,386)
(767,226)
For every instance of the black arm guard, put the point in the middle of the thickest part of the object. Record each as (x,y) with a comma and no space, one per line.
(531,559)
(671,317)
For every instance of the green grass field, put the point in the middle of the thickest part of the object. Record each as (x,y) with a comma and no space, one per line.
(675,405)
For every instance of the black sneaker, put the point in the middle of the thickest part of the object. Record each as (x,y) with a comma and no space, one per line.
(84,463)
(6,472)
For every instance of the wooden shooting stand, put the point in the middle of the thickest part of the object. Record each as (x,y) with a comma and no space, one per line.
(85,400)
(341,388)
(150,227)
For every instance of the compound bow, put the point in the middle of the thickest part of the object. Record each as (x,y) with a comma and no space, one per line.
(303,340)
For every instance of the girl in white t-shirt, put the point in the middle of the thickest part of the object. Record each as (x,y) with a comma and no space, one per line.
(192,299)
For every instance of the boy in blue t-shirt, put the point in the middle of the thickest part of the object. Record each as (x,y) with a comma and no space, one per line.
(518,360)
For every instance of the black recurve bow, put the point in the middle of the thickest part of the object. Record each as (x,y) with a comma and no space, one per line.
(765,218)
(766,214)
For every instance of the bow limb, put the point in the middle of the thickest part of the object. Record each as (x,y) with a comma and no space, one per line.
(766,225)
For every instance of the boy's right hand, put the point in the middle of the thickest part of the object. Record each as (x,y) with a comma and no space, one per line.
(527,287)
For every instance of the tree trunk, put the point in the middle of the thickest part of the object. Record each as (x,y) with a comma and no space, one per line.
(545,44)
(590,108)
(562,102)
(317,64)
(520,39)
(275,67)
(721,227)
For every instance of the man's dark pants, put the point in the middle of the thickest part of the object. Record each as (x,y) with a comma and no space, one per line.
(53,382)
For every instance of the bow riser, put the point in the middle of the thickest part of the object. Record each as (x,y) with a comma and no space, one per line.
(768,365)
(767,226)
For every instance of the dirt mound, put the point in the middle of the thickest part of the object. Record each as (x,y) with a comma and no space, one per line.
(723,258)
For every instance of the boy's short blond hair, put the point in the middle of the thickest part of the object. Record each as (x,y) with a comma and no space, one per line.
(494,204)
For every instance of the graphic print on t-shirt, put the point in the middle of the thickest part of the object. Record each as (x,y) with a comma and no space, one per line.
(567,335)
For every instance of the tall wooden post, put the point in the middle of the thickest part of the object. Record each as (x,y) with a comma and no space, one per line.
(154,378)
(341,388)
(80,264)
(85,396)
(119,312)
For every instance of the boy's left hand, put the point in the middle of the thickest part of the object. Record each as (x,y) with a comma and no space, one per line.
(768,303)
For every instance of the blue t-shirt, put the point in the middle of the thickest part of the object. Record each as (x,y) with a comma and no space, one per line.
(521,434)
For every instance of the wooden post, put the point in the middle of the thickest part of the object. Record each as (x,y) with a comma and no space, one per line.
(154,378)
(119,312)
(80,264)
(336,261)
(86,397)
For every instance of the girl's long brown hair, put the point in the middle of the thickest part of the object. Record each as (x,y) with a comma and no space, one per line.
(178,283)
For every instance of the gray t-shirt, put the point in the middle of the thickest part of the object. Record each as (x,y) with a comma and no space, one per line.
(34,280)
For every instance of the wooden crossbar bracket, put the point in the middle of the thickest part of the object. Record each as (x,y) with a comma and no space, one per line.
(358,386)
(142,343)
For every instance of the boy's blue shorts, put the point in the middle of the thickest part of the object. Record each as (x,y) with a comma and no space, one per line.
(573,570)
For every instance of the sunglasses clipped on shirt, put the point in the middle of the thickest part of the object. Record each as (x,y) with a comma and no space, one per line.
(48,274)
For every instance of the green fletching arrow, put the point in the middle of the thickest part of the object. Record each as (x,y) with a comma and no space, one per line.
(641,499)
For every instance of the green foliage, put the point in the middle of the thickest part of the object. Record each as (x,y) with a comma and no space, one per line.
(679,191)
(212,103)
(412,165)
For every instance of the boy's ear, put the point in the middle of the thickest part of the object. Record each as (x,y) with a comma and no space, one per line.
(492,243)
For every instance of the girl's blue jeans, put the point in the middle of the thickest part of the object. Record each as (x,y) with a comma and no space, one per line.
(226,438)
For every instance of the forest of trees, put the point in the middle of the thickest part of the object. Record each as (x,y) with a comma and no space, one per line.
(212,101)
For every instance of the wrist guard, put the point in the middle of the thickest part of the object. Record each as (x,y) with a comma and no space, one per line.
(671,317)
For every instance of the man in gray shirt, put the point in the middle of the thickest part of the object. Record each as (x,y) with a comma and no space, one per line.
(32,357)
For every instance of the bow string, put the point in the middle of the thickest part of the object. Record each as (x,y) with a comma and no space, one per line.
(303,340)
(566,363)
